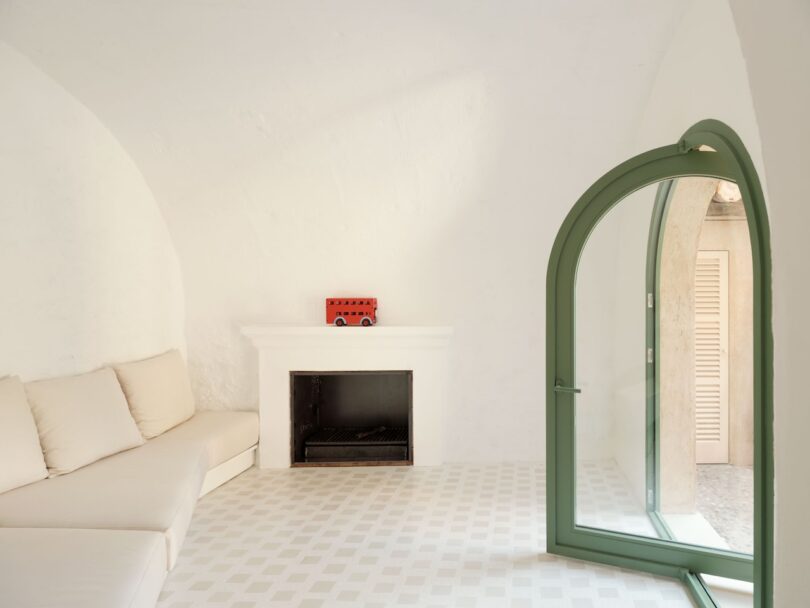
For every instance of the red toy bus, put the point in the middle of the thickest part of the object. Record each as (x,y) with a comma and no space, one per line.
(351,311)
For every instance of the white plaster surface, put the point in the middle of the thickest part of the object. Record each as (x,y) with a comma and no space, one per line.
(89,273)
(423,153)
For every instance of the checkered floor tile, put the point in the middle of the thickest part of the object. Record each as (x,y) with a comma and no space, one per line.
(450,536)
(605,500)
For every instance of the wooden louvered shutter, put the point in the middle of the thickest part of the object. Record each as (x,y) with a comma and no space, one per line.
(711,357)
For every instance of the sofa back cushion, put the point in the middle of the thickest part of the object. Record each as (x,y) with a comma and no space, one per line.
(81,419)
(21,460)
(158,391)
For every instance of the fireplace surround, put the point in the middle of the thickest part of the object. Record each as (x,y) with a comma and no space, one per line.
(318,350)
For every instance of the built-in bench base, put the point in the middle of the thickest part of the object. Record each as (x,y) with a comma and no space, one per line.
(229,469)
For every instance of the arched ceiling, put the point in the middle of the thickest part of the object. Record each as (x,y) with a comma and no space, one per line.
(200,90)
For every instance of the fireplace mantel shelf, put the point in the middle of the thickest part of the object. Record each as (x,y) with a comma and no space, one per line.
(270,331)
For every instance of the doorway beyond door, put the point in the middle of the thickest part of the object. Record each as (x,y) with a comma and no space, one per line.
(711,357)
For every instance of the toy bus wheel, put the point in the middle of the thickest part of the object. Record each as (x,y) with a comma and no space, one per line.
(366,322)
(340,321)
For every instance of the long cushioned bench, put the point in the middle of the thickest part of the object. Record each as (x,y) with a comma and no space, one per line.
(154,487)
(107,533)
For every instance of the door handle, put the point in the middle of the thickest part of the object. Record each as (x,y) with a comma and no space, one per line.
(559,388)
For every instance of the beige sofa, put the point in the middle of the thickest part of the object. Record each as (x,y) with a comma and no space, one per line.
(106,534)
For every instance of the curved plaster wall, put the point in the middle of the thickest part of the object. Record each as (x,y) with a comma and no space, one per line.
(423,153)
(89,274)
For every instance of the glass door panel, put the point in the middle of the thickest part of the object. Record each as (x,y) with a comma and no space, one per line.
(611,370)
(704,371)
(663,326)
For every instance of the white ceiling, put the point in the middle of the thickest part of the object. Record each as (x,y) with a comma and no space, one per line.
(197,90)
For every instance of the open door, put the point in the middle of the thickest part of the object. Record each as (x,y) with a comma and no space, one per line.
(627,426)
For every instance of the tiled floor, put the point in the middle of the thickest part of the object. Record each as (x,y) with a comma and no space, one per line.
(725,497)
(456,535)
(605,500)
(723,518)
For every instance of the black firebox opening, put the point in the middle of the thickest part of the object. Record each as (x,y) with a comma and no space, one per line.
(351,417)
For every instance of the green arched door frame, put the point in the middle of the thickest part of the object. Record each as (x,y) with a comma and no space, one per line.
(653,427)
(727,160)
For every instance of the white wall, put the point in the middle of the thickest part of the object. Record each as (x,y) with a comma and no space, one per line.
(702,75)
(424,153)
(776,47)
(89,273)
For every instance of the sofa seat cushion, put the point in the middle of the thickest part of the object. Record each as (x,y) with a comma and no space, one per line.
(44,567)
(153,487)
(223,434)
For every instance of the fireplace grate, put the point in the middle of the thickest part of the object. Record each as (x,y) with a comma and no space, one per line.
(373,436)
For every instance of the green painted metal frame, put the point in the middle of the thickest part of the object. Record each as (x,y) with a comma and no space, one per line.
(653,453)
(698,590)
(729,160)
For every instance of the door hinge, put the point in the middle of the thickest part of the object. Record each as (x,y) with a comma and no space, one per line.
(650,300)
(649,355)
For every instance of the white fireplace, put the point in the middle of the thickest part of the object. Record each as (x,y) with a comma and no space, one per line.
(284,350)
